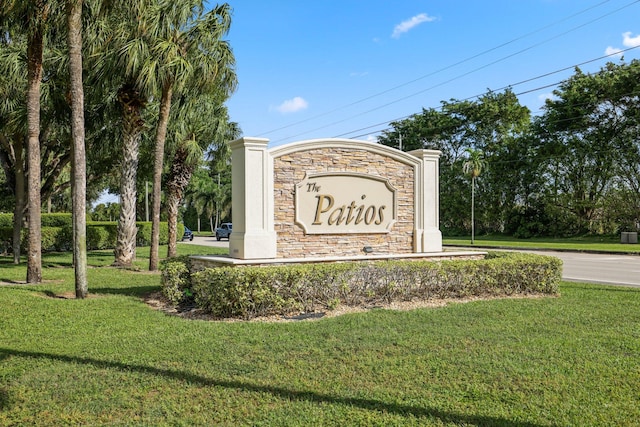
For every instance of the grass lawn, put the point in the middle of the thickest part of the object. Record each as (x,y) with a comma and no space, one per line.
(583,244)
(112,360)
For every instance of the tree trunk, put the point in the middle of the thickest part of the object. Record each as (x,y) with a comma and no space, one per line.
(34,253)
(173,203)
(131,133)
(179,177)
(161,136)
(79,191)
(18,210)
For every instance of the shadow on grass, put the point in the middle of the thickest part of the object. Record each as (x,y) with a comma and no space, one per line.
(136,291)
(10,282)
(279,392)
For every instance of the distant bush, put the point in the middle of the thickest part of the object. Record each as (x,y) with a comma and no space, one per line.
(6,220)
(100,235)
(57,220)
(250,291)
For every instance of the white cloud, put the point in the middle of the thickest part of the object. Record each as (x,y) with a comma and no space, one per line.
(614,51)
(292,105)
(411,23)
(629,41)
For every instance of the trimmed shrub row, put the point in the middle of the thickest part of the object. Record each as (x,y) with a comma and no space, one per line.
(100,235)
(248,292)
(6,220)
(59,219)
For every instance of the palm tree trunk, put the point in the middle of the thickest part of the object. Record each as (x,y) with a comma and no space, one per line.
(132,125)
(74,16)
(161,136)
(179,177)
(34,255)
(18,209)
(173,203)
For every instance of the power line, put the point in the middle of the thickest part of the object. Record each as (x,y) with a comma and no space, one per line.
(568,119)
(454,78)
(439,70)
(502,88)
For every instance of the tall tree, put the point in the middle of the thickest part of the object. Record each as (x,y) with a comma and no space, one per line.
(34,17)
(188,43)
(473,168)
(493,124)
(588,132)
(74,25)
(202,124)
(12,136)
(121,65)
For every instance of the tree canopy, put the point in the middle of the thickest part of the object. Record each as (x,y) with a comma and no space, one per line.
(572,169)
(135,56)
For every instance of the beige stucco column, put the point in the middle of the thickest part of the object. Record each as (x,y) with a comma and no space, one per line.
(428,237)
(253,235)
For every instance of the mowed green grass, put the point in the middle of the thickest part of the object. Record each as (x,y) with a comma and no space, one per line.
(112,360)
(580,244)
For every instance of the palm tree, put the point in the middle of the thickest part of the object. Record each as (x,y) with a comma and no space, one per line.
(202,123)
(473,167)
(200,194)
(121,64)
(32,17)
(188,43)
(74,24)
(12,135)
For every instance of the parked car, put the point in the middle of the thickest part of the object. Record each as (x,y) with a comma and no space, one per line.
(188,234)
(224,231)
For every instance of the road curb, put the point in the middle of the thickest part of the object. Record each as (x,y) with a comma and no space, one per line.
(519,248)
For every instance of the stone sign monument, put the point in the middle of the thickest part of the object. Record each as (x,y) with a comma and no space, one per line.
(332,198)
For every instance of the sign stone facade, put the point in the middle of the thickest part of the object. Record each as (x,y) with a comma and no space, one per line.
(332,198)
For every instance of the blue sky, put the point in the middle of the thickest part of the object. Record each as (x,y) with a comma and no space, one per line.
(328,68)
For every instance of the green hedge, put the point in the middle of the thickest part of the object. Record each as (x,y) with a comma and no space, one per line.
(48,220)
(248,292)
(6,220)
(57,220)
(100,235)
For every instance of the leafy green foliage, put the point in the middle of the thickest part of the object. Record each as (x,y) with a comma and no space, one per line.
(6,220)
(569,171)
(56,220)
(176,279)
(100,235)
(249,292)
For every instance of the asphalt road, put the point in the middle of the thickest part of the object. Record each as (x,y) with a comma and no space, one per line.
(607,269)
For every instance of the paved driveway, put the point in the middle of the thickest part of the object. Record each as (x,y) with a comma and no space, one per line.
(208,241)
